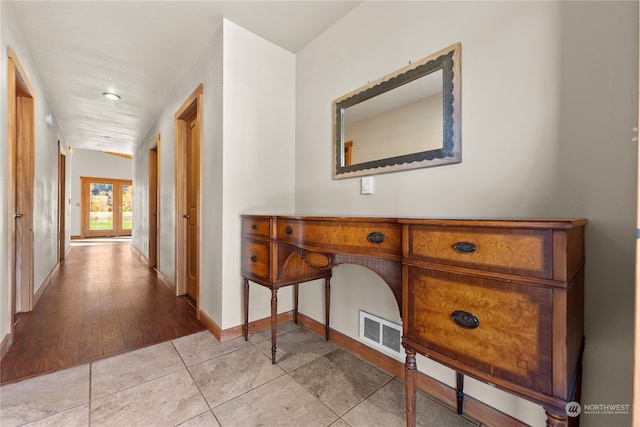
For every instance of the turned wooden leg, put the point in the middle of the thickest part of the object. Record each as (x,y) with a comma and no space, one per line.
(296,290)
(459,391)
(327,301)
(246,309)
(555,420)
(274,323)
(410,383)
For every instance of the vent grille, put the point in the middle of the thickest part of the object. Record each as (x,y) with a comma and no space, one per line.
(381,334)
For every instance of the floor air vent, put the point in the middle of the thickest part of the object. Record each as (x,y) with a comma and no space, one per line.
(381,334)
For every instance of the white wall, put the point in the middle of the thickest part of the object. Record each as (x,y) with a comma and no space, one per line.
(206,71)
(45,193)
(94,164)
(549,98)
(258,158)
(247,162)
(598,180)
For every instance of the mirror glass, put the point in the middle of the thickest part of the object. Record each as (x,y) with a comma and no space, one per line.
(408,119)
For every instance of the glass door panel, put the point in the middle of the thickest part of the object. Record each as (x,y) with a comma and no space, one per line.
(101,210)
(126,206)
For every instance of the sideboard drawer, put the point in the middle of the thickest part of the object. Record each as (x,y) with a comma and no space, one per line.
(256,226)
(524,252)
(255,259)
(374,237)
(500,328)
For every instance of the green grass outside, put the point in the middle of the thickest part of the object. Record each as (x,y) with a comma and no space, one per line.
(108,225)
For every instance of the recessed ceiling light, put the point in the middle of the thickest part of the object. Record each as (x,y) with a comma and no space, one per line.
(112,96)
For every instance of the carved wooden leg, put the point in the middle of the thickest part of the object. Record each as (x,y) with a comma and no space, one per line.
(246,309)
(327,300)
(274,323)
(410,383)
(296,290)
(459,391)
(555,420)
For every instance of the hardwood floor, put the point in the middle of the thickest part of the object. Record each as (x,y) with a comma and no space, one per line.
(102,301)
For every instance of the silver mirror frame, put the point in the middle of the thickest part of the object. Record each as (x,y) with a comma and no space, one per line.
(447,60)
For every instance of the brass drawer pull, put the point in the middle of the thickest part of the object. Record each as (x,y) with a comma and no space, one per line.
(288,230)
(464,319)
(465,247)
(376,237)
(254,226)
(254,258)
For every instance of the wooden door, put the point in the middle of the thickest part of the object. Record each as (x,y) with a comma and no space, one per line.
(193,196)
(21,113)
(348,153)
(154,208)
(188,168)
(62,196)
(106,207)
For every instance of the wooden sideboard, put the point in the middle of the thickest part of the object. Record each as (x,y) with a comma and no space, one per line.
(498,300)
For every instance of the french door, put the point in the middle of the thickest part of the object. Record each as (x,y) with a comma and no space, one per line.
(106,207)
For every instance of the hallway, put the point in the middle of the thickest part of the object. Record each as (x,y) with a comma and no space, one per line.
(103,301)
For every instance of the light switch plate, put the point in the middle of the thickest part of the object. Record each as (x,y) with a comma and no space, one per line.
(366,185)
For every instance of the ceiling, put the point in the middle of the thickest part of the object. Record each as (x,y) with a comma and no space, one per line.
(139,50)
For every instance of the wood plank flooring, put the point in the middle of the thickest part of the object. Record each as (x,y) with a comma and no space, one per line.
(102,301)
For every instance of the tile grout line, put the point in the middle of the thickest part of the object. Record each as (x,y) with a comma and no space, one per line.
(315,397)
(90,382)
(197,386)
(248,391)
(284,373)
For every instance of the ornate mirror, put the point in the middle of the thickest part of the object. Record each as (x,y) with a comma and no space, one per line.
(405,120)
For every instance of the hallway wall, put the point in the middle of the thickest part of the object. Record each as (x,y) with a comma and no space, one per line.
(45,196)
(247,163)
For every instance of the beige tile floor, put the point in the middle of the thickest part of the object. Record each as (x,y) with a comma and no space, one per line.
(198,381)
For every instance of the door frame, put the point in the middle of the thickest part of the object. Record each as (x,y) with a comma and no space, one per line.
(62,196)
(191,105)
(21,146)
(154,198)
(85,204)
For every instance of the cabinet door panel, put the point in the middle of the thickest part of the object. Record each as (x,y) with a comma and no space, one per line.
(501,328)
